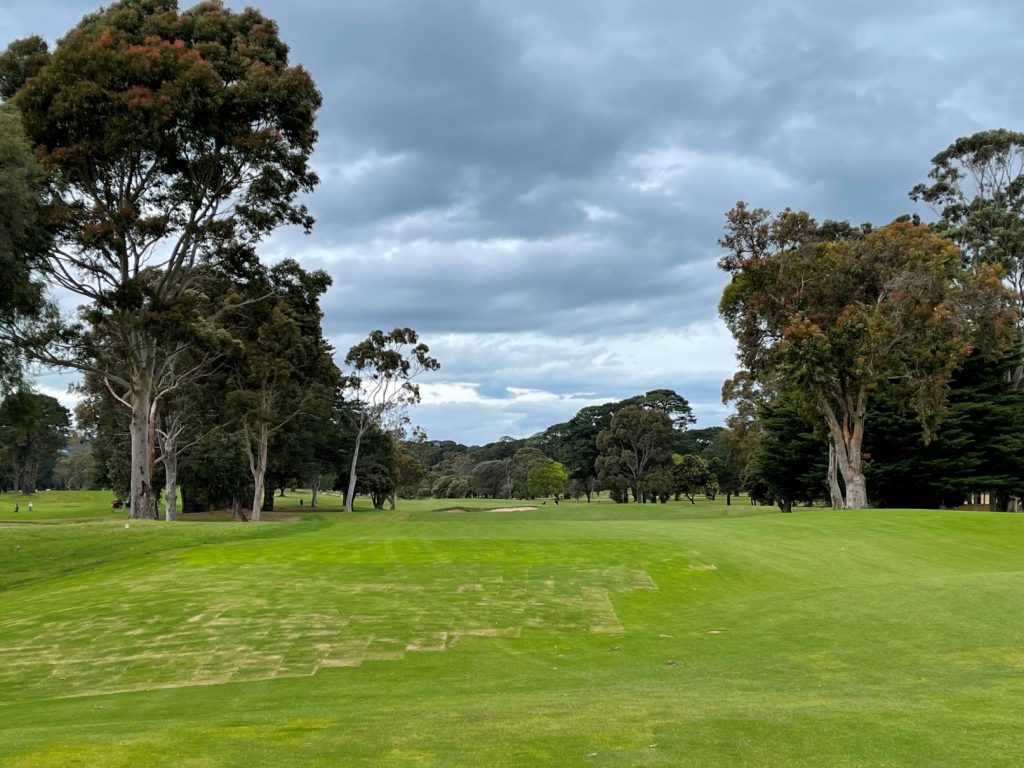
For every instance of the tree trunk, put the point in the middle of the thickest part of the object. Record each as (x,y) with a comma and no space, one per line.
(29,474)
(785,505)
(314,487)
(728,498)
(351,495)
(999,501)
(257,464)
(835,492)
(236,508)
(848,438)
(170,481)
(856,490)
(391,501)
(143,499)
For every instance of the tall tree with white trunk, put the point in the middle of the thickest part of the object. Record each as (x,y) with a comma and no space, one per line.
(170,138)
(380,384)
(280,365)
(836,313)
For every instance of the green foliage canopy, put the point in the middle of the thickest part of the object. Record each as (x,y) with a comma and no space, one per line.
(836,313)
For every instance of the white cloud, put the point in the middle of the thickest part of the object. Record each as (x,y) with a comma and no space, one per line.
(518,384)
(597,213)
(55,384)
(674,169)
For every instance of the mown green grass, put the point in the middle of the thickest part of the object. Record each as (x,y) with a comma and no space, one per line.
(58,505)
(445,634)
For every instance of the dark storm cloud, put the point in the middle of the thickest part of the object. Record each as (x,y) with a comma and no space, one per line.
(538,187)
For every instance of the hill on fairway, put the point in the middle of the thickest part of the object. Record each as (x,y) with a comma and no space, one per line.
(571,635)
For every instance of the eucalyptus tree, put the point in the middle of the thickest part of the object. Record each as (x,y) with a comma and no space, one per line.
(690,475)
(548,479)
(380,384)
(491,478)
(976,188)
(22,241)
(279,363)
(409,472)
(742,435)
(636,442)
(520,467)
(666,401)
(837,313)
(577,444)
(377,471)
(170,138)
(33,427)
(178,427)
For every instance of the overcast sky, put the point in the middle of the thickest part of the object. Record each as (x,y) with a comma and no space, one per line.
(538,187)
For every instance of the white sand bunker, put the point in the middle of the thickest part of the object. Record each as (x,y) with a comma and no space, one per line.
(513,509)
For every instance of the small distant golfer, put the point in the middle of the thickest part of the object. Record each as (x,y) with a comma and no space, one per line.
(16,508)
(30,506)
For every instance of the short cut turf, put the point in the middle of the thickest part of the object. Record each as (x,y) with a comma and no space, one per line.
(659,635)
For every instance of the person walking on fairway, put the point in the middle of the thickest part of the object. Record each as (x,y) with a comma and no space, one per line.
(16,508)
(30,506)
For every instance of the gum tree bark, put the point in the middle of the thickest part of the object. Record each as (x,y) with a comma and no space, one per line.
(143,499)
(835,492)
(351,493)
(257,440)
(847,431)
(314,486)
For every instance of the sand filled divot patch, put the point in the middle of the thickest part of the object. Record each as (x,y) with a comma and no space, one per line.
(491,509)
(183,624)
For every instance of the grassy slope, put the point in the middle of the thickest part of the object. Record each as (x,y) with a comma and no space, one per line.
(603,635)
